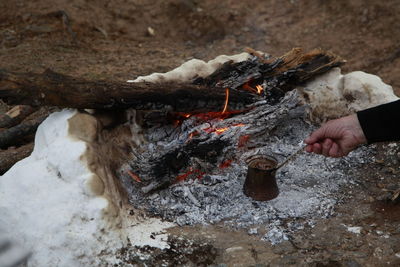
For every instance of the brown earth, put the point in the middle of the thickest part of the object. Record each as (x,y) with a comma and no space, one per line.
(110,39)
(114,40)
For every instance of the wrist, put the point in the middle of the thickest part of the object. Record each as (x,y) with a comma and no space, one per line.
(357,129)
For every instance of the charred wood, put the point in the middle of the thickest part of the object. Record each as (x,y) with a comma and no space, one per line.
(276,75)
(282,73)
(15,135)
(54,89)
(199,154)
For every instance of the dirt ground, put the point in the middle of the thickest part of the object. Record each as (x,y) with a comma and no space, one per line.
(122,39)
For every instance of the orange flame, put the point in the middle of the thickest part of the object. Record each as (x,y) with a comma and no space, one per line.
(247,87)
(226,100)
(259,89)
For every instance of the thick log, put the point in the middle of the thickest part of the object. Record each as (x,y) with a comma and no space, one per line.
(15,115)
(283,73)
(10,156)
(53,89)
(206,94)
(14,135)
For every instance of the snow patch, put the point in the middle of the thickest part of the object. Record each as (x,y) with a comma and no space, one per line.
(192,69)
(333,95)
(48,202)
(150,233)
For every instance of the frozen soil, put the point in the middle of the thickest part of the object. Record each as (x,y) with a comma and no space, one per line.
(111,40)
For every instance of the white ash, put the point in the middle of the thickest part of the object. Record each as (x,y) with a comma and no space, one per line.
(309,184)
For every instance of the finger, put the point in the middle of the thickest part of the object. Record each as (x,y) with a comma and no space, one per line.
(326,146)
(309,148)
(315,136)
(334,151)
(317,148)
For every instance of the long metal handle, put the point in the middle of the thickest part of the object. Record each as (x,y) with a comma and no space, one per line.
(291,156)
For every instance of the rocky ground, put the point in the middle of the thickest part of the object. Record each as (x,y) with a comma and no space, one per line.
(122,39)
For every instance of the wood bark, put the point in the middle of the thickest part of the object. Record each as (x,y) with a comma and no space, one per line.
(53,89)
(207,94)
(14,135)
(15,115)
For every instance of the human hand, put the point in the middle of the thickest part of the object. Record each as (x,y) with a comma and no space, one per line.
(336,138)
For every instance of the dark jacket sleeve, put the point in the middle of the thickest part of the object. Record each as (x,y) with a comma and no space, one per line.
(381,123)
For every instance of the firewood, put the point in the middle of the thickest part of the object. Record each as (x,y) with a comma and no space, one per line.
(14,135)
(15,115)
(277,75)
(10,156)
(163,168)
(53,89)
(283,73)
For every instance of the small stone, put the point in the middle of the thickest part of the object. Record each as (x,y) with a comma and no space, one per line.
(151,31)
(354,229)
(252,231)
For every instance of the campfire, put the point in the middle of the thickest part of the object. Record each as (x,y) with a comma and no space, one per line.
(177,146)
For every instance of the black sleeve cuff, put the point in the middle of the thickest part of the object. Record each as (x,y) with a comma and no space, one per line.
(381,123)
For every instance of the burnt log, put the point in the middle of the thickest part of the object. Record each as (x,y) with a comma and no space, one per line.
(15,135)
(276,75)
(54,89)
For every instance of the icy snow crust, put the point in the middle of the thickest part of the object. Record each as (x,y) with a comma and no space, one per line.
(46,204)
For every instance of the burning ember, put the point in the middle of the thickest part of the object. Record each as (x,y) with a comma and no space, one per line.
(134,176)
(197,174)
(221,130)
(226,164)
